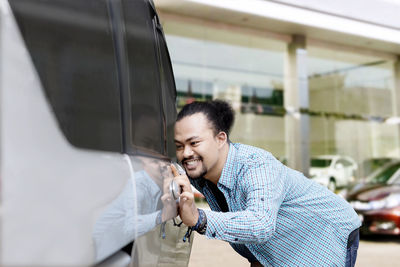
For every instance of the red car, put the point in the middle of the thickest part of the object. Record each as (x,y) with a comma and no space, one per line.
(377,201)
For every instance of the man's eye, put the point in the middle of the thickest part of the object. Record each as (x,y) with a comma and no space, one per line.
(178,147)
(194,143)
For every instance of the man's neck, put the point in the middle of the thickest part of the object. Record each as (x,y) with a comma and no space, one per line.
(215,174)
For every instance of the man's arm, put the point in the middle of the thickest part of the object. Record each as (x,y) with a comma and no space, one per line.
(262,189)
(263,192)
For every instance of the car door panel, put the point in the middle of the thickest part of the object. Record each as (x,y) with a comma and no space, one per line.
(72,194)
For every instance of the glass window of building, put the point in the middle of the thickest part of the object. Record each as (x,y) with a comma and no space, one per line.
(242,68)
(351,97)
(354,83)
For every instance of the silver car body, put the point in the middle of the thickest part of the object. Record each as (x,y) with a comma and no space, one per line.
(66,206)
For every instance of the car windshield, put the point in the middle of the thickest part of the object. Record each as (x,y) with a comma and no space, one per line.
(320,163)
(383,176)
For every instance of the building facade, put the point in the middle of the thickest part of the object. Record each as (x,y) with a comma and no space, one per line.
(305,77)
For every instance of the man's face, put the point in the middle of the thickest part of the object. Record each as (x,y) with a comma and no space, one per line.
(197,148)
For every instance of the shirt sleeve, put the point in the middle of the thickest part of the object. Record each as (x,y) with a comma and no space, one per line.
(262,190)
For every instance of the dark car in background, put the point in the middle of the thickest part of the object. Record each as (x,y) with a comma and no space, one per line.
(377,200)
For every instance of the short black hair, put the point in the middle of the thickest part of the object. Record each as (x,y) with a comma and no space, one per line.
(219,113)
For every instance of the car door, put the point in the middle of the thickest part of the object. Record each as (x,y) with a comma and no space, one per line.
(149,120)
(61,149)
(88,102)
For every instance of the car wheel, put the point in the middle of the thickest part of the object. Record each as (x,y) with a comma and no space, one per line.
(332,185)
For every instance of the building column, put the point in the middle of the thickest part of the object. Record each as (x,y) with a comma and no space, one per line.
(396,98)
(297,125)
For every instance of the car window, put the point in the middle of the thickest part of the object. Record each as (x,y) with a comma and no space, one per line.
(396,179)
(144,78)
(169,93)
(71,46)
(346,163)
(339,163)
(320,163)
(384,175)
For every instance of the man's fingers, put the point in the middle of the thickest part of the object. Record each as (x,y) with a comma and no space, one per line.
(181,179)
(184,183)
(187,196)
(174,170)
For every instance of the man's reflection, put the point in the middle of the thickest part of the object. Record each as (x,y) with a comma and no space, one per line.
(144,202)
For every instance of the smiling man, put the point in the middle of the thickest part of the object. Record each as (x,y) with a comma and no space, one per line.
(269,213)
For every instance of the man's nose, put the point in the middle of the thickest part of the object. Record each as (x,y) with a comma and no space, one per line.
(187,152)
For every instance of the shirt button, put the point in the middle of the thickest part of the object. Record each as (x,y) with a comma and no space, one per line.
(214,234)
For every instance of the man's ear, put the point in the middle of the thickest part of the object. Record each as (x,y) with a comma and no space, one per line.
(222,138)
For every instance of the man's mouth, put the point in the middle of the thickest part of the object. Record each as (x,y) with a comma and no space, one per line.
(191,164)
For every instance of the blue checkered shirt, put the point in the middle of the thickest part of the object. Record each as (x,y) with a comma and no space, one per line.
(276,213)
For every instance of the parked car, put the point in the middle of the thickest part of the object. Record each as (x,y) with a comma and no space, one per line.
(382,175)
(332,171)
(377,200)
(86,117)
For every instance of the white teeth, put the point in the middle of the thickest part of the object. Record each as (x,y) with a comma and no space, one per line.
(191,162)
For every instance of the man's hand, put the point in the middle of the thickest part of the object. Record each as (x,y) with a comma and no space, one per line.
(187,209)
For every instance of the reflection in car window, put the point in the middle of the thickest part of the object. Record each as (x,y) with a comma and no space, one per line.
(71,46)
(320,163)
(384,175)
(169,94)
(144,77)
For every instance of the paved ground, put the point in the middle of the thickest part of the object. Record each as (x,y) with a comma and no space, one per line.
(379,251)
(374,251)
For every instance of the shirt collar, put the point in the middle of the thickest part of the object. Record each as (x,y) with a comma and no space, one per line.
(228,174)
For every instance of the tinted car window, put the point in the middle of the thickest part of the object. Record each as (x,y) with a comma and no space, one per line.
(71,46)
(320,163)
(370,165)
(384,175)
(144,77)
(169,94)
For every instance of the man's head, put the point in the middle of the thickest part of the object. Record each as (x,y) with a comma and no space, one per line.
(201,138)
